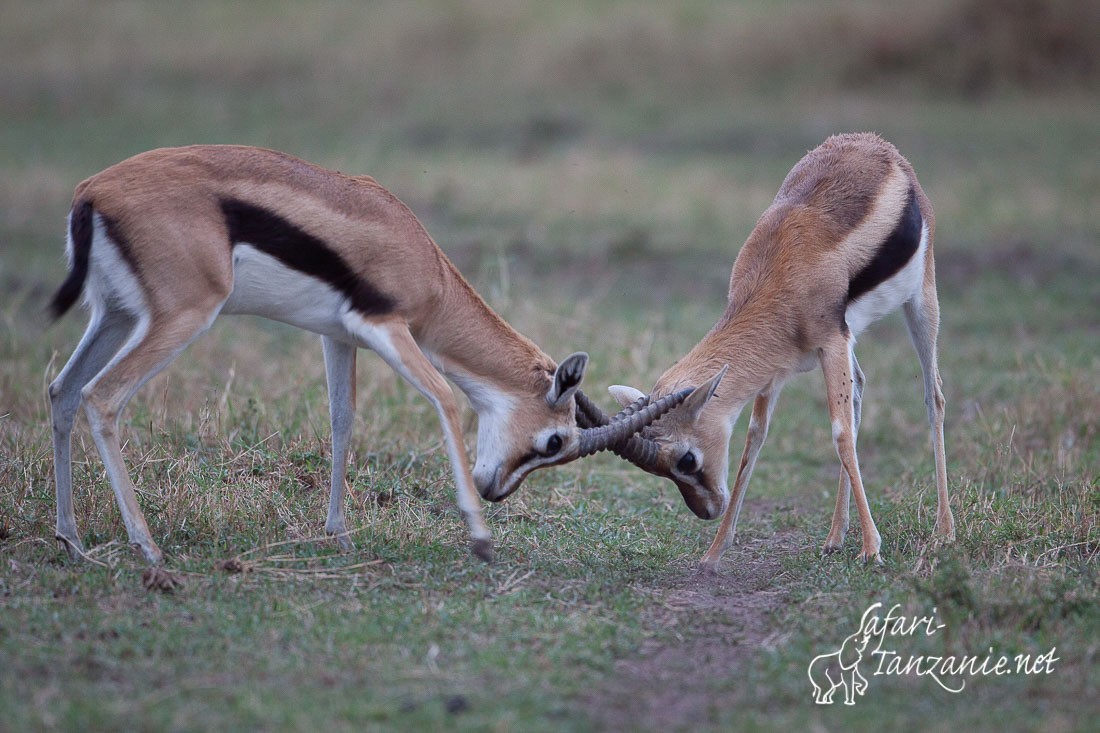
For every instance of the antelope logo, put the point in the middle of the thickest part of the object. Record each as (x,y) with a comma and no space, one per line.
(841,668)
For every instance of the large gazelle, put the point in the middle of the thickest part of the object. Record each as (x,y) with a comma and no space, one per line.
(164,242)
(847,240)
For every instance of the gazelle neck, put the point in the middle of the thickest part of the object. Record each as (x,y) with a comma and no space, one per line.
(484,356)
(757,349)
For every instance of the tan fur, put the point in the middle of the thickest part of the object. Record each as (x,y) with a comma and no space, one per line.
(175,190)
(788,291)
(163,216)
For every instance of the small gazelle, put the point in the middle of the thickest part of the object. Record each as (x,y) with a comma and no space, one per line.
(164,242)
(847,240)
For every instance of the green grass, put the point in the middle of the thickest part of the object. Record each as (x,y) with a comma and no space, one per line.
(593,171)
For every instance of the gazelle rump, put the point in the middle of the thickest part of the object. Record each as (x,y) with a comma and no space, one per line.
(847,240)
(164,242)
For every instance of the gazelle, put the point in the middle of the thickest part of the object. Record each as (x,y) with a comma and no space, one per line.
(847,240)
(164,242)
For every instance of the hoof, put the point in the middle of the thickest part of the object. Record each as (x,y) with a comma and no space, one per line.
(830,547)
(73,547)
(343,541)
(708,566)
(483,548)
(159,579)
(871,559)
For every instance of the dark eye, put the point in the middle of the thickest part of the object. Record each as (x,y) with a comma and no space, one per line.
(553,445)
(687,463)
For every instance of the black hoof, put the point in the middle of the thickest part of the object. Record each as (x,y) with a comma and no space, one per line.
(483,548)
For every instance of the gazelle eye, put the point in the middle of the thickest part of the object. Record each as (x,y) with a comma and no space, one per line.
(553,445)
(687,463)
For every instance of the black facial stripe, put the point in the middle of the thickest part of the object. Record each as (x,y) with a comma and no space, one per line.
(892,254)
(527,458)
(301,251)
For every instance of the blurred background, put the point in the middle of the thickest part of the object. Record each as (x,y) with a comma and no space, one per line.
(607,130)
(593,168)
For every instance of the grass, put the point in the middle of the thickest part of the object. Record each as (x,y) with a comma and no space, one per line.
(593,171)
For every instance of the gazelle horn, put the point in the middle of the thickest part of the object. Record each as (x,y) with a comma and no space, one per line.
(640,451)
(633,418)
(635,448)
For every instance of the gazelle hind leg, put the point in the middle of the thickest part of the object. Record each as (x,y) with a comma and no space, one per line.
(340,372)
(923,319)
(105,334)
(395,344)
(837,364)
(758,431)
(841,512)
(151,347)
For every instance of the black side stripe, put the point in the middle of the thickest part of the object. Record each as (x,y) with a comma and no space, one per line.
(301,251)
(892,254)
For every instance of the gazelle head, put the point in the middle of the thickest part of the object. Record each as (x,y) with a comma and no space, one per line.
(689,445)
(520,433)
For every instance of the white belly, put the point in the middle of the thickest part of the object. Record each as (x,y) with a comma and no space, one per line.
(263,286)
(890,294)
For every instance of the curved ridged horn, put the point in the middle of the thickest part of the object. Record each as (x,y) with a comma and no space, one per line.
(637,449)
(640,451)
(628,422)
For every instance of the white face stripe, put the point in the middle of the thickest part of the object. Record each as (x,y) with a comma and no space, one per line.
(888,295)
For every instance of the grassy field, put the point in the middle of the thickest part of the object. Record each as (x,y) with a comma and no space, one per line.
(593,170)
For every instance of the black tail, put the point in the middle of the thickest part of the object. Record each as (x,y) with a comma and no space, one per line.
(80,231)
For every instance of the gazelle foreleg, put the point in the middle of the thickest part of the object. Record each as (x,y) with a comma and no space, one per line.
(397,347)
(839,526)
(922,317)
(105,333)
(838,366)
(758,431)
(340,374)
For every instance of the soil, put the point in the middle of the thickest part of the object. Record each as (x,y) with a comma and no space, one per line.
(721,621)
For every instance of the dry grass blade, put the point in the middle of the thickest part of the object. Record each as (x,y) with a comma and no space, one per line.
(512,583)
(282,567)
(290,566)
(109,551)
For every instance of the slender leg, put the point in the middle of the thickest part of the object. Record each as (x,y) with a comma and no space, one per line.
(340,371)
(840,513)
(152,346)
(105,333)
(923,318)
(837,363)
(758,431)
(395,344)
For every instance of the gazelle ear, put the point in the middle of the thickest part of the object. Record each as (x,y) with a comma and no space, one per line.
(624,395)
(567,378)
(698,399)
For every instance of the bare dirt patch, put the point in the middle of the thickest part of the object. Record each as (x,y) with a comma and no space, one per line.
(718,623)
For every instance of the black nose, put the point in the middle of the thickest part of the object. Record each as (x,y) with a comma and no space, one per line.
(489,488)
